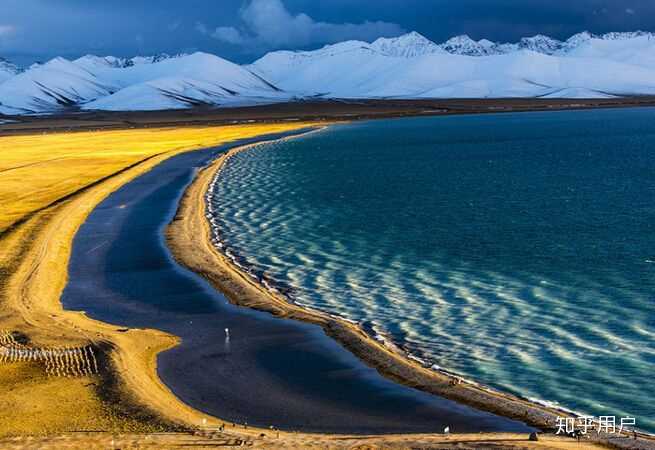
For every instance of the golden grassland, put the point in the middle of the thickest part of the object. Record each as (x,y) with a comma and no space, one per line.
(36,170)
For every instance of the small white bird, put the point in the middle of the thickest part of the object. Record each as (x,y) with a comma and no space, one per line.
(446,430)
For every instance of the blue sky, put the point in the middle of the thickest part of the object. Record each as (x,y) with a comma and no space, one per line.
(242,30)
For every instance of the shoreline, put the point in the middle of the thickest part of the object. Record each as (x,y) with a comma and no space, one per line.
(244,289)
(271,372)
(241,289)
(233,258)
(305,111)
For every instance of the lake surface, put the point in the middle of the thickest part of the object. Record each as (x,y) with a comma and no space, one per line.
(517,250)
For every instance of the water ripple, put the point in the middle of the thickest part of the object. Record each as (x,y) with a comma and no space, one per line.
(430,253)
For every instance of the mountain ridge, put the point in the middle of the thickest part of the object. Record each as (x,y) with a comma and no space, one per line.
(406,66)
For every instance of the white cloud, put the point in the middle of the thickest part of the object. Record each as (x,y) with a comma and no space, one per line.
(228,34)
(268,24)
(202,28)
(630,11)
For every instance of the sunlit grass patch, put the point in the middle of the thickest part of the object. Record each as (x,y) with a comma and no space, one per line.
(37,170)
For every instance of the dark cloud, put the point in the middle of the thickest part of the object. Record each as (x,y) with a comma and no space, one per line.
(268,24)
(243,29)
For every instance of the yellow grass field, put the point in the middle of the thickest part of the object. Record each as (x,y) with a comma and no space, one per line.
(37,170)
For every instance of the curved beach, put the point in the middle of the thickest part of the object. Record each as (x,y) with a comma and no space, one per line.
(202,256)
(190,239)
(267,372)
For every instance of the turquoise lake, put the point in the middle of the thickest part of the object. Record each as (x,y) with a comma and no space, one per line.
(517,250)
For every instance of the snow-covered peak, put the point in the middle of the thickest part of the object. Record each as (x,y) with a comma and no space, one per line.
(576,40)
(620,36)
(196,79)
(619,44)
(50,86)
(486,43)
(93,61)
(57,65)
(540,44)
(152,59)
(407,46)
(407,66)
(56,61)
(287,60)
(7,69)
(464,45)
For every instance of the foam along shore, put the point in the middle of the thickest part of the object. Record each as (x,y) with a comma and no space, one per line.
(194,245)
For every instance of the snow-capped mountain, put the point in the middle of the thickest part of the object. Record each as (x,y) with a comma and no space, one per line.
(406,46)
(110,83)
(638,50)
(577,40)
(540,44)
(152,59)
(93,61)
(464,45)
(7,70)
(182,82)
(408,66)
(50,86)
(533,67)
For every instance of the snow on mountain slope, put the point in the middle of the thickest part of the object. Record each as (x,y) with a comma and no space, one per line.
(198,66)
(540,44)
(7,70)
(49,87)
(91,62)
(408,66)
(181,82)
(637,50)
(152,59)
(577,93)
(406,46)
(178,93)
(367,73)
(464,45)
(164,93)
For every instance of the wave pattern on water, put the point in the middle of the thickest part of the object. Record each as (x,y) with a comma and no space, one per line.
(323,220)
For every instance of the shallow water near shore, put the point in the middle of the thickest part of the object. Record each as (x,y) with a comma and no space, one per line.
(271,371)
(515,249)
